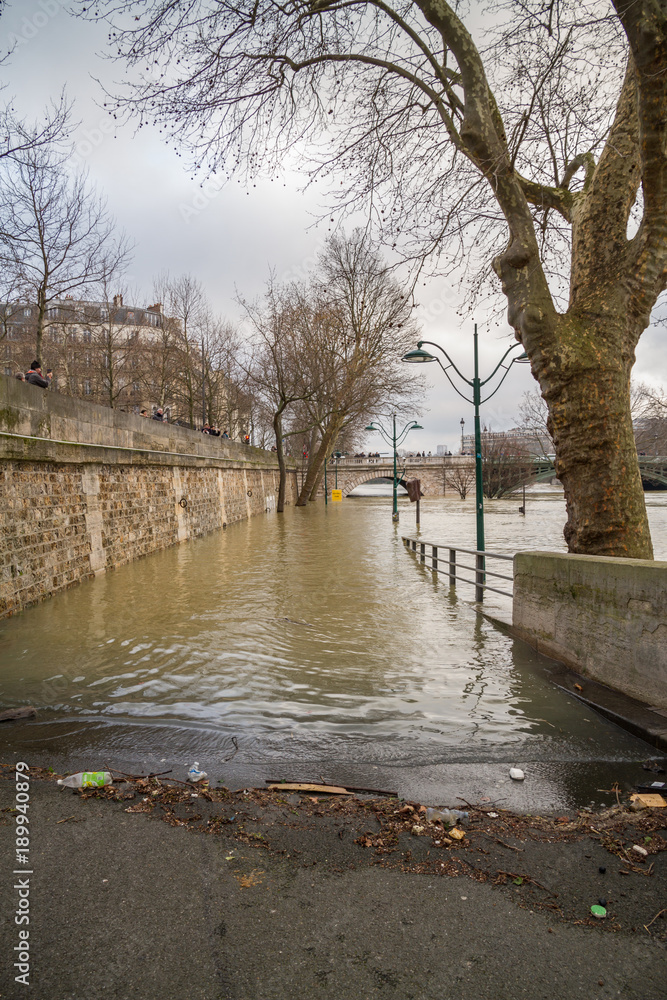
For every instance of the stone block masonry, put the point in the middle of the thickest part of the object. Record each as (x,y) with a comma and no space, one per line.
(605,617)
(84,489)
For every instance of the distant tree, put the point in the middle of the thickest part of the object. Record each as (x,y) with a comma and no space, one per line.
(461,478)
(364,326)
(274,368)
(57,239)
(506,465)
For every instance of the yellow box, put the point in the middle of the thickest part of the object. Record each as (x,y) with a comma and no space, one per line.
(336,495)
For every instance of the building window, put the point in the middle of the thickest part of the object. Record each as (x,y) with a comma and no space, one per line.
(87,336)
(86,388)
(27,312)
(8,371)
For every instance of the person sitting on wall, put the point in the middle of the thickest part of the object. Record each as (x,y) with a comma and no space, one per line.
(225,435)
(35,377)
(143,413)
(20,376)
(159,414)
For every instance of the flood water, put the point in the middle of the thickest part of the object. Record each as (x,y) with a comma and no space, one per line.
(325,650)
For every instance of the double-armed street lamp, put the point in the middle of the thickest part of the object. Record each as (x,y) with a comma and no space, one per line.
(395,440)
(420,356)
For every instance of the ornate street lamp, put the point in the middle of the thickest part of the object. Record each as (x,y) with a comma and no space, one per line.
(395,440)
(420,356)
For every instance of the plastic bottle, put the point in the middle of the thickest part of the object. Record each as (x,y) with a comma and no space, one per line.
(86,779)
(450,817)
(194,774)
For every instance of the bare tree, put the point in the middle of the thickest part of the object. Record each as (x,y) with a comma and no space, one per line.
(363,328)
(534,415)
(506,465)
(18,137)
(57,239)
(189,308)
(274,369)
(650,419)
(461,478)
(553,144)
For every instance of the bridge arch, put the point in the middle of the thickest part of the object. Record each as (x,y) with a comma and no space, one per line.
(362,479)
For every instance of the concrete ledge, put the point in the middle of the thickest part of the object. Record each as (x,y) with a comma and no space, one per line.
(604,617)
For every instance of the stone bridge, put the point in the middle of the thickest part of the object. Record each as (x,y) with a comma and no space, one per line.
(432,472)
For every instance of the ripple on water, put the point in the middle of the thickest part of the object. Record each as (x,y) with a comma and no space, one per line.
(332,643)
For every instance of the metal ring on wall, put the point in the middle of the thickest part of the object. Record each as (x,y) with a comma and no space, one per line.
(249,493)
(183,503)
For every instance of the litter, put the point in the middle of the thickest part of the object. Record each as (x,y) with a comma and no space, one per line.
(194,774)
(649,801)
(25,712)
(307,786)
(599,911)
(86,779)
(640,850)
(516,774)
(457,834)
(450,817)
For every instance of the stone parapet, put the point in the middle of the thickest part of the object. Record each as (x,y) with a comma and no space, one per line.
(605,617)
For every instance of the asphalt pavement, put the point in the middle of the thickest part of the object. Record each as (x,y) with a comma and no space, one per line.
(269,896)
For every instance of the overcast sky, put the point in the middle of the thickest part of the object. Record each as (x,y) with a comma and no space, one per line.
(230,238)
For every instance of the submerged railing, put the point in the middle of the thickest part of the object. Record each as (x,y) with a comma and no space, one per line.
(450,566)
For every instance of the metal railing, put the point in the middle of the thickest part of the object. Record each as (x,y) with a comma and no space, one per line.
(450,566)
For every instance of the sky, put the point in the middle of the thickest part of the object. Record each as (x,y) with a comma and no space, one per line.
(231,237)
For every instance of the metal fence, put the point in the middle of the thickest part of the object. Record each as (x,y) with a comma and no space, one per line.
(448,564)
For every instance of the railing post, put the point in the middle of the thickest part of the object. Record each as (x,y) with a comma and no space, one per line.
(414,545)
(434,558)
(452,567)
(422,552)
(479,577)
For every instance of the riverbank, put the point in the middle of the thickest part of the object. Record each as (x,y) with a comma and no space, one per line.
(143,890)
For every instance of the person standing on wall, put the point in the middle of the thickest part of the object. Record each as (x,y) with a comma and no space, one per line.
(35,377)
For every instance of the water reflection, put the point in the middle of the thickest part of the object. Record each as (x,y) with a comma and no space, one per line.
(312,637)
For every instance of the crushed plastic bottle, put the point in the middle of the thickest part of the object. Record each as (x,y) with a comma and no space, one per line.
(450,817)
(86,779)
(194,774)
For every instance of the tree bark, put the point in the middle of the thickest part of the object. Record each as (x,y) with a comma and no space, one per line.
(318,482)
(586,383)
(280,454)
(316,466)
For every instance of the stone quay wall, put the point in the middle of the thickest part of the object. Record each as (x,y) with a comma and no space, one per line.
(603,616)
(84,489)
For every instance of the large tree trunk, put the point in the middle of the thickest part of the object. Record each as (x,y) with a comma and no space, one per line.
(317,464)
(318,482)
(587,390)
(278,430)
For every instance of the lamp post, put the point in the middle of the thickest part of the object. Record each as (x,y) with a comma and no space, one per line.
(463,423)
(394,440)
(420,356)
